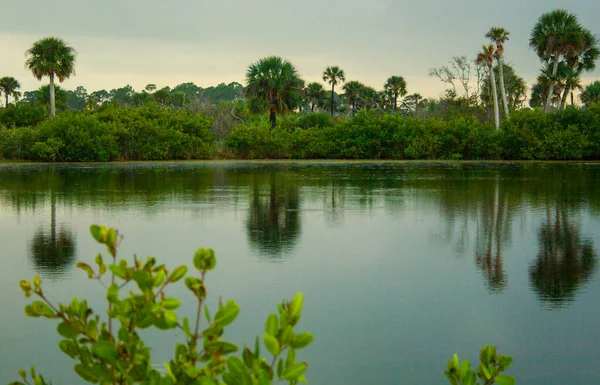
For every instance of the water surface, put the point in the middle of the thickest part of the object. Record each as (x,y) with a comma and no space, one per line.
(401,264)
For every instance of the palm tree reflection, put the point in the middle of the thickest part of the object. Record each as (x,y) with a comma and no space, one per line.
(273,223)
(53,252)
(565,260)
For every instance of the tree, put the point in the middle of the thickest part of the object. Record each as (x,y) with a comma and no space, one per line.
(273,83)
(460,69)
(77,100)
(314,94)
(353,91)
(9,86)
(499,36)
(414,101)
(41,97)
(397,86)
(51,57)
(150,88)
(578,62)
(557,34)
(334,76)
(487,56)
(516,88)
(591,94)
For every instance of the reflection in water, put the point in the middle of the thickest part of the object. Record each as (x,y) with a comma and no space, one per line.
(273,223)
(53,252)
(493,231)
(565,260)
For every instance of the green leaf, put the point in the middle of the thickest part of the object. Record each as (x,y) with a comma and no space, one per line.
(85,373)
(178,273)
(112,294)
(68,347)
(119,271)
(97,233)
(272,325)
(239,371)
(142,279)
(291,357)
(85,267)
(288,336)
(505,380)
(43,309)
(296,306)
(302,340)
(280,368)
(105,349)
(207,314)
(294,371)
(66,330)
(227,314)
(272,344)
(171,303)
(204,259)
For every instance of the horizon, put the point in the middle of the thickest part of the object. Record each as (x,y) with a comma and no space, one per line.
(152,43)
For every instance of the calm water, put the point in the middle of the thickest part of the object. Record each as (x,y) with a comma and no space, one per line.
(401,264)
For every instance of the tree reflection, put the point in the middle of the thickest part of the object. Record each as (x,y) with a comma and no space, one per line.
(565,260)
(53,252)
(273,223)
(493,231)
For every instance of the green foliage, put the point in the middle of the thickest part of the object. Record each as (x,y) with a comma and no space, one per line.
(22,115)
(113,133)
(112,351)
(489,371)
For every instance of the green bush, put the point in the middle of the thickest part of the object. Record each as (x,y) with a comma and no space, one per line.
(112,351)
(22,115)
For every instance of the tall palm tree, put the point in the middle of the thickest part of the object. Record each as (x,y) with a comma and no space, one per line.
(353,90)
(487,57)
(556,34)
(334,76)
(51,57)
(499,36)
(9,86)
(397,86)
(582,61)
(591,94)
(572,81)
(273,83)
(314,93)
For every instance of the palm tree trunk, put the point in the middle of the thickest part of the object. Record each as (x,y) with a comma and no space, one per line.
(571,97)
(332,89)
(548,104)
(273,116)
(495,95)
(6,96)
(52,102)
(395,102)
(503,88)
(563,100)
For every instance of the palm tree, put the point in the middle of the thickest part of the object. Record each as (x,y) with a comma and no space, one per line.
(397,86)
(591,94)
(9,86)
(334,76)
(51,57)
(572,81)
(273,83)
(556,34)
(583,60)
(499,36)
(415,99)
(353,90)
(314,93)
(487,56)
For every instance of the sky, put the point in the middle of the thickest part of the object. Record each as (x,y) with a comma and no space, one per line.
(207,42)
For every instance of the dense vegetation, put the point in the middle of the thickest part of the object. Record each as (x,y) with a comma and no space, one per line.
(230,121)
(153,133)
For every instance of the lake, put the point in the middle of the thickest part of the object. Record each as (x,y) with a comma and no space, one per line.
(401,264)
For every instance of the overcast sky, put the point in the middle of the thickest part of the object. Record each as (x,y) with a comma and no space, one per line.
(138,42)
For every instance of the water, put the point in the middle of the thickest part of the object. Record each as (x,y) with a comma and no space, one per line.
(401,264)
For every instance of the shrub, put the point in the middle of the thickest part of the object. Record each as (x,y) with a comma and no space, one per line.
(112,351)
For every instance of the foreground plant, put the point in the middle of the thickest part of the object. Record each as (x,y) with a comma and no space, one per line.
(489,370)
(112,351)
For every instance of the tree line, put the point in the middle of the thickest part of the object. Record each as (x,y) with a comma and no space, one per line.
(565,48)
